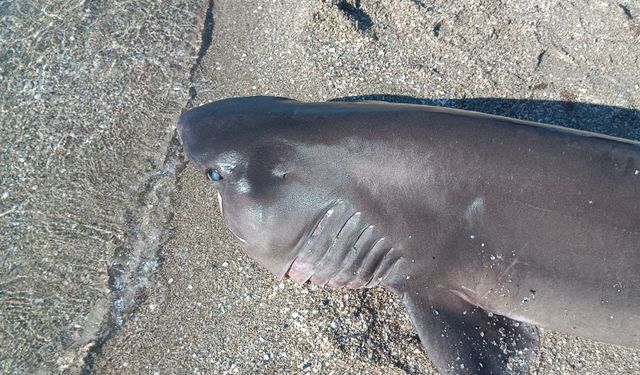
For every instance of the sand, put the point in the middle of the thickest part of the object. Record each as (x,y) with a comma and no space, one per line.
(116,259)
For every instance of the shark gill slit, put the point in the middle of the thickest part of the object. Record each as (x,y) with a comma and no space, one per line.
(335,250)
(345,253)
(383,270)
(356,266)
(370,264)
(351,268)
(303,242)
(344,272)
(307,252)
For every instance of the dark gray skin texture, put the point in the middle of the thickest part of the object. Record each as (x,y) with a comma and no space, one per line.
(485,225)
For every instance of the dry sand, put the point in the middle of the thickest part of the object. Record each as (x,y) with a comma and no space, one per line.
(116,258)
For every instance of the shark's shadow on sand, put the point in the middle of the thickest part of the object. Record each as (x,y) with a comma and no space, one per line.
(610,120)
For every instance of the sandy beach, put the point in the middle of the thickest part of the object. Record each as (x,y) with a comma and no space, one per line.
(114,256)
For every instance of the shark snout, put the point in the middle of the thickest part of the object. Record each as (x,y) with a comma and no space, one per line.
(198,131)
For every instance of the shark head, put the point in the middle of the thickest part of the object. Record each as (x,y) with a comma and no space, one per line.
(269,171)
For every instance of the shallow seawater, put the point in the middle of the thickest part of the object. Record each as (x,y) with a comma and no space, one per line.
(90,93)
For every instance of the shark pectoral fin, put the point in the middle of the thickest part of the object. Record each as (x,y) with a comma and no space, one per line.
(463,339)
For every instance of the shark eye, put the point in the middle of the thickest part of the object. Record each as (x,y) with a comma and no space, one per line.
(213,175)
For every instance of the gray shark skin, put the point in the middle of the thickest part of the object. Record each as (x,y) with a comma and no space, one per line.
(485,226)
